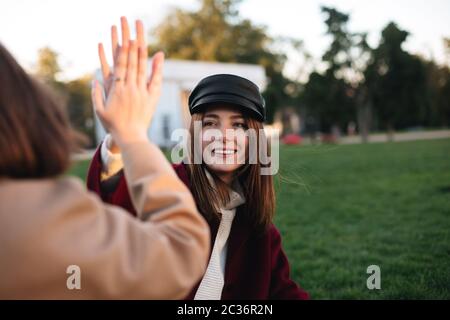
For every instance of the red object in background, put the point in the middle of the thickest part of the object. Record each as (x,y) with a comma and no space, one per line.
(292,139)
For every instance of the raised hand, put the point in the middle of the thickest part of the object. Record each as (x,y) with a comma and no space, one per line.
(131,98)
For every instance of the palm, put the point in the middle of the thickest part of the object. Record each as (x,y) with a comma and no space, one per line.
(126,84)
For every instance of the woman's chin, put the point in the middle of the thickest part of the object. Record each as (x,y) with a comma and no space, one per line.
(223,168)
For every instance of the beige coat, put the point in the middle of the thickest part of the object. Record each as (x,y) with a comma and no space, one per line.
(48,225)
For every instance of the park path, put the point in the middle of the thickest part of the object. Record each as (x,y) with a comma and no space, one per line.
(401,136)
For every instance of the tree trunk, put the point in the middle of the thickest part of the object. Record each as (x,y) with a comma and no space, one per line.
(364,120)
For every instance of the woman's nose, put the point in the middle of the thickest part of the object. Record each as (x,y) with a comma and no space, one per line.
(228,133)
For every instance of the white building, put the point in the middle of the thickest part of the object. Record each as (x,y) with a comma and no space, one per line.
(179,79)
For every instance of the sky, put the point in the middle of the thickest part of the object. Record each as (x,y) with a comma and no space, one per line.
(73,28)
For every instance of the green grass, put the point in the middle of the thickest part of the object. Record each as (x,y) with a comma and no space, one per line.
(79,169)
(343,208)
(351,206)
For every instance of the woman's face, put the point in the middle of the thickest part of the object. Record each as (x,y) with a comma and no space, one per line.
(224,139)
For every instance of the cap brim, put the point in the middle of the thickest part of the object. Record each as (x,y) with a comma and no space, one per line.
(214,99)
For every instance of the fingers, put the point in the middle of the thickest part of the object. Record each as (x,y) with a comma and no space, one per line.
(129,63)
(140,34)
(142,54)
(131,77)
(103,62)
(122,52)
(125,31)
(156,77)
(114,42)
(97,98)
(120,68)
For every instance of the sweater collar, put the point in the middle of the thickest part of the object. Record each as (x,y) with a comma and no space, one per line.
(237,197)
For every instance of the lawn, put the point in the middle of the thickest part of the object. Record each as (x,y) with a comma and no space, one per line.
(342,208)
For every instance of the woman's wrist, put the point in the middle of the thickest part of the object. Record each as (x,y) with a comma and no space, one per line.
(131,136)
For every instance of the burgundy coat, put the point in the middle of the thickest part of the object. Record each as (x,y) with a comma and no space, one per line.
(256,266)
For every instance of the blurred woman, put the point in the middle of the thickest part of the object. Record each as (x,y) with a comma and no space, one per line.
(49,223)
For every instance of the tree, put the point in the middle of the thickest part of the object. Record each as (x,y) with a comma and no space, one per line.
(331,97)
(386,86)
(447,49)
(444,90)
(397,82)
(338,54)
(438,94)
(75,94)
(216,32)
(79,106)
(329,101)
(48,66)
(444,98)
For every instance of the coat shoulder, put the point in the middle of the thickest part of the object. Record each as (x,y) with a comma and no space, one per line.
(273,235)
(273,231)
(182,173)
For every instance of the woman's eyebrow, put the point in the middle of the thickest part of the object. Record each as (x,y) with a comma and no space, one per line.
(211,115)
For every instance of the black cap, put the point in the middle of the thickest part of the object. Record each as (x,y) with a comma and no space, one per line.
(228,89)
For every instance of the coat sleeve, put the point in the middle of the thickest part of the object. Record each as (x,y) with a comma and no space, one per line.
(94,172)
(159,255)
(282,287)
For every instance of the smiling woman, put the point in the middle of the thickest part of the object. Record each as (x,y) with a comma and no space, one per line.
(224,140)
(231,126)
(247,260)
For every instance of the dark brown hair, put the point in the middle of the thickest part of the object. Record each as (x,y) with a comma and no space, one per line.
(36,139)
(259,207)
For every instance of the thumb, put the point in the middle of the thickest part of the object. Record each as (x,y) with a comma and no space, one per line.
(97,99)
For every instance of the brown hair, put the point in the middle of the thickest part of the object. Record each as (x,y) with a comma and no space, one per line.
(35,136)
(259,207)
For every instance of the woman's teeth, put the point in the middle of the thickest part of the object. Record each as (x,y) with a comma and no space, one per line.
(224,152)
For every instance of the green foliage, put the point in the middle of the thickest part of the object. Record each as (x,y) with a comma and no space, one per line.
(48,66)
(75,94)
(385,88)
(338,54)
(329,101)
(397,82)
(80,108)
(330,98)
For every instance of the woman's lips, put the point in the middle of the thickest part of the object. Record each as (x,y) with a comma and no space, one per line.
(224,152)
